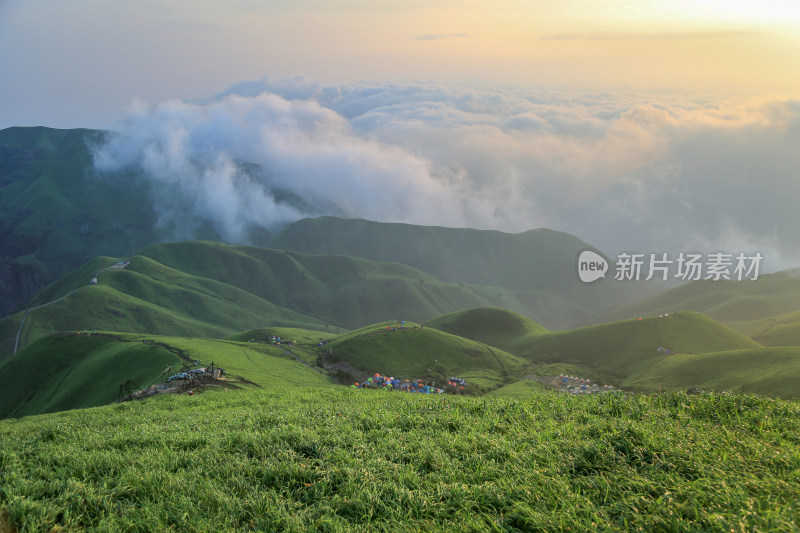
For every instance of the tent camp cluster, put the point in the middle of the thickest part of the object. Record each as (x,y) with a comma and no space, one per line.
(407,385)
(576,385)
(197,373)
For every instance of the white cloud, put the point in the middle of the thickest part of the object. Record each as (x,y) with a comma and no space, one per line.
(655,172)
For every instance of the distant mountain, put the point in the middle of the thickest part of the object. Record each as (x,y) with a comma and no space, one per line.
(725,300)
(55,214)
(539,260)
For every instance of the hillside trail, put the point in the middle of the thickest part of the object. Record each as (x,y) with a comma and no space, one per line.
(120,264)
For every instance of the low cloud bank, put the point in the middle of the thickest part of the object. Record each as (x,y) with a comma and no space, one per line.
(634,172)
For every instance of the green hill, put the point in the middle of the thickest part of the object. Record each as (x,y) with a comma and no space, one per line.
(769,371)
(346,290)
(147,297)
(214,290)
(69,371)
(414,352)
(726,301)
(523,388)
(621,349)
(540,260)
(778,330)
(495,326)
(55,213)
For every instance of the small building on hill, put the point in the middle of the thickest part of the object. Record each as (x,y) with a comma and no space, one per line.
(93,281)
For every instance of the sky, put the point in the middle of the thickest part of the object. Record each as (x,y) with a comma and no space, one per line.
(635,125)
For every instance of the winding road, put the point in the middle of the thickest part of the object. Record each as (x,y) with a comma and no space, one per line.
(119,264)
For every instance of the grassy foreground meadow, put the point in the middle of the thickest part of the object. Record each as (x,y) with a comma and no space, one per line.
(336,459)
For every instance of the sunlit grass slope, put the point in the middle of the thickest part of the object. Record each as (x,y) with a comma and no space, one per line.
(265,365)
(359,460)
(768,371)
(104,308)
(521,389)
(622,349)
(305,341)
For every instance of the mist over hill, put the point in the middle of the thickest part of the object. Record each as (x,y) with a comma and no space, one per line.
(60,208)
(540,260)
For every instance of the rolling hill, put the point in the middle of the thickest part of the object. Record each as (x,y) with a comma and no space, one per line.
(206,289)
(778,330)
(616,350)
(74,370)
(57,213)
(494,326)
(540,260)
(724,300)
(768,371)
(69,371)
(411,351)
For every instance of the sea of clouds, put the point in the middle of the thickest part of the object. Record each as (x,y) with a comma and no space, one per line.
(623,170)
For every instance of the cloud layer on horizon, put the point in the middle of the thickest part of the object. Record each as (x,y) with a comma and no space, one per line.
(625,171)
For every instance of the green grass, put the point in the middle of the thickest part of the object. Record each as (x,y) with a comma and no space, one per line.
(265,365)
(522,388)
(343,460)
(70,371)
(422,352)
(622,349)
(207,289)
(539,261)
(726,301)
(495,326)
(768,371)
(80,277)
(104,308)
(779,330)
